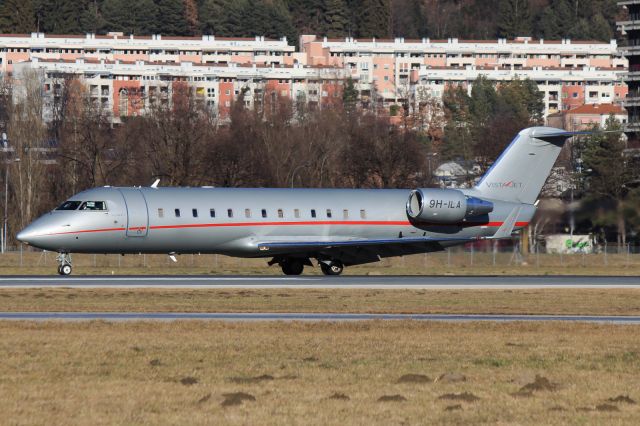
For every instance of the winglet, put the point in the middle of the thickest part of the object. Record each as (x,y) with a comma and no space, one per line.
(154,185)
(507,226)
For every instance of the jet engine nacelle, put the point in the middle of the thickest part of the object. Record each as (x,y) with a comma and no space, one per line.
(445,206)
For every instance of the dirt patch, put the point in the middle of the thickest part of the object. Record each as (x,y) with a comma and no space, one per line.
(392,398)
(453,407)
(257,379)
(584,409)
(204,399)
(155,362)
(236,398)
(539,384)
(464,396)
(339,396)
(451,378)
(607,407)
(622,398)
(557,408)
(310,359)
(522,394)
(188,381)
(414,378)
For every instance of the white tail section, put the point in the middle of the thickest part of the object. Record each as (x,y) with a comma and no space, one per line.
(520,172)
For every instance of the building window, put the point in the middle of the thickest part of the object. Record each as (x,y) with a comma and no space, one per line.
(280,213)
(230,212)
(296,213)
(177,212)
(160,213)
(313,212)
(345,214)
(329,213)
(247,213)
(194,212)
(363,214)
(212,212)
(264,213)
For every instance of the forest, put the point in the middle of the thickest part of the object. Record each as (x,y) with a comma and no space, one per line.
(468,19)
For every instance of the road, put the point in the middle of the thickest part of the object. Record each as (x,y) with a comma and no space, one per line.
(323,282)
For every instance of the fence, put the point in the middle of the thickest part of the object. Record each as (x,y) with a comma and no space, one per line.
(469,259)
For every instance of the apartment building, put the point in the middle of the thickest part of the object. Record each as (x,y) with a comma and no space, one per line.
(570,73)
(130,88)
(156,48)
(631,28)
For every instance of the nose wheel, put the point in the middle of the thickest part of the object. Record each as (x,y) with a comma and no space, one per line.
(65,268)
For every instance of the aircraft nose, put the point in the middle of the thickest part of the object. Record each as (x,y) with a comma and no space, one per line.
(25,235)
(30,235)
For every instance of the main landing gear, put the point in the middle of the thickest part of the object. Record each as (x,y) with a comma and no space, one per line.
(295,266)
(331,267)
(64,260)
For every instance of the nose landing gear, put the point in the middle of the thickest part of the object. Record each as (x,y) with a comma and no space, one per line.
(64,259)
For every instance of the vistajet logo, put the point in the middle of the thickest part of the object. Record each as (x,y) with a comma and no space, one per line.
(505,185)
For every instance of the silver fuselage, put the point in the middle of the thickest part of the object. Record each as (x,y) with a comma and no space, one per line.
(144,220)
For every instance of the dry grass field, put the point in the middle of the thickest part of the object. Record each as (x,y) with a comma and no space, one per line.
(458,262)
(319,373)
(547,301)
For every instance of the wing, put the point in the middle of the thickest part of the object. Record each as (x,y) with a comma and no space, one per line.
(357,251)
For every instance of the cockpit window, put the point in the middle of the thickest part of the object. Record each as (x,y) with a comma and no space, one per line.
(94,205)
(69,205)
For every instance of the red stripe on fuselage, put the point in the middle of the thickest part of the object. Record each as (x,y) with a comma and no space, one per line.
(308,223)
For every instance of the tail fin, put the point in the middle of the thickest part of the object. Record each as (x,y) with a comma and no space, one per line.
(522,169)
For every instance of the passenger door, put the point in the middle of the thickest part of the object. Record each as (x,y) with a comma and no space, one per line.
(137,212)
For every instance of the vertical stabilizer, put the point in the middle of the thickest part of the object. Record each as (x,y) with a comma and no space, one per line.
(520,172)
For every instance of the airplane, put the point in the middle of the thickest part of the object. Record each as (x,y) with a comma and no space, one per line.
(335,227)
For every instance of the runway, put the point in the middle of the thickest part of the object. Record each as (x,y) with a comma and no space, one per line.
(287,317)
(322,282)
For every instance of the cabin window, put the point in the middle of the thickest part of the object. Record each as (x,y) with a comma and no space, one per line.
(329,213)
(363,214)
(69,205)
(247,213)
(194,212)
(313,212)
(94,205)
(160,213)
(264,213)
(177,212)
(212,212)
(296,213)
(345,214)
(280,213)
(230,212)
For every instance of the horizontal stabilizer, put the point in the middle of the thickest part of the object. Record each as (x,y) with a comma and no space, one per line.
(506,229)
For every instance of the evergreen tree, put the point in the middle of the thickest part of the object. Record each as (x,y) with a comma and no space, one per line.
(349,95)
(91,18)
(171,17)
(514,18)
(130,16)
(17,17)
(373,20)
(212,15)
(336,21)
(279,22)
(600,28)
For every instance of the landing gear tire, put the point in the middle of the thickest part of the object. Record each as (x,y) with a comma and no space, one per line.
(292,267)
(65,268)
(334,267)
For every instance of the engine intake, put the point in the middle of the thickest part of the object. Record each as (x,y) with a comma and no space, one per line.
(445,206)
